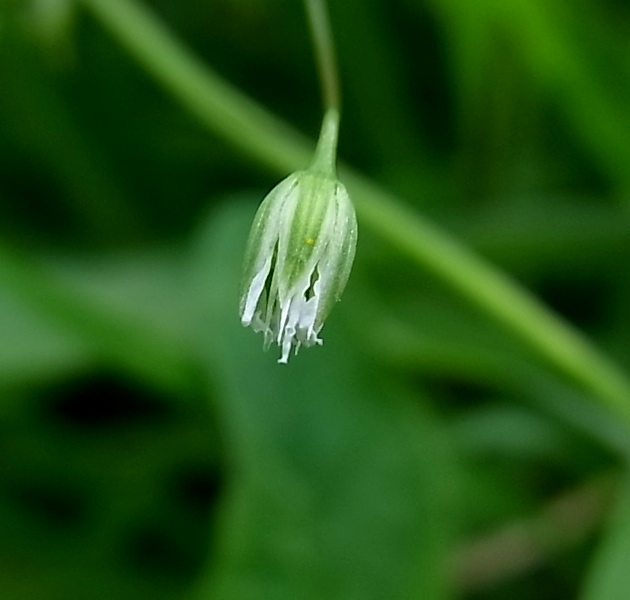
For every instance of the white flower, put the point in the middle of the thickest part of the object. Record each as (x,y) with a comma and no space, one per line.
(298,259)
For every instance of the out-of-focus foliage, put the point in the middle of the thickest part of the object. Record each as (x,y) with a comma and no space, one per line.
(150,449)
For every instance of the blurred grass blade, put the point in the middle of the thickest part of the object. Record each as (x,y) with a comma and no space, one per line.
(609,578)
(551,38)
(37,116)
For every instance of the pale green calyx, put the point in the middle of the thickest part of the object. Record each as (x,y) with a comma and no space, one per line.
(300,253)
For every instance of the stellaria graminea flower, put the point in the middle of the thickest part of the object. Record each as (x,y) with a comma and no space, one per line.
(300,252)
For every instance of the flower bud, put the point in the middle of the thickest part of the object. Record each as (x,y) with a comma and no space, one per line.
(298,259)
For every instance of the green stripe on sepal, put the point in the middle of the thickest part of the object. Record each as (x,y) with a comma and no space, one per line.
(299,256)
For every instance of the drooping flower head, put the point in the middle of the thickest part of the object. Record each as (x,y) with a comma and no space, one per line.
(298,258)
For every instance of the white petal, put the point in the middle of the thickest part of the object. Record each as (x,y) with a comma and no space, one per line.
(254,292)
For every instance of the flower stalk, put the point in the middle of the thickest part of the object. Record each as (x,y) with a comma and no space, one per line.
(303,240)
(300,252)
(324,53)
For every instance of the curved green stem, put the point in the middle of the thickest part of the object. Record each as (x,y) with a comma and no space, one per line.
(325,159)
(564,347)
(243,123)
(325,52)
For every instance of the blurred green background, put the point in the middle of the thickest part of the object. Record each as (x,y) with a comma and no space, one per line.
(150,449)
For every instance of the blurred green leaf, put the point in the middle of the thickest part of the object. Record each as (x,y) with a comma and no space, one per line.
(342,483)
(32,348)
(114,329)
